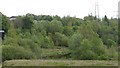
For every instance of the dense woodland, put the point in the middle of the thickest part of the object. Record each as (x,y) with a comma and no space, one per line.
(52,37)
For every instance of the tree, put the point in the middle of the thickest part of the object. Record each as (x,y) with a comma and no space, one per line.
(12,31)
(112,53)
(98,47)
(54,26)
(27,22)
(110,43)
(48,42)
(5,23)
(106,20)
(56,17)
(68,31)
(45,17)
(11,37)
(108,33)
(85,51)
(60,39)
(42,25)
(66,21)
(84,39)
(18,22)
(75,45)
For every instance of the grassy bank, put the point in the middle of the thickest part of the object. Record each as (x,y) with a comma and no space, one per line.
(60,63)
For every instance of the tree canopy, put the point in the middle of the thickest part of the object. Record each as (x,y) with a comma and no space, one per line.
(35,36)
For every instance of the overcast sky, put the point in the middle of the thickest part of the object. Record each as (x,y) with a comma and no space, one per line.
(78,8)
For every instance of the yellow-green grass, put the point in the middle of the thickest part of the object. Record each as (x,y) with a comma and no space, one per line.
(53,52)
(60,63)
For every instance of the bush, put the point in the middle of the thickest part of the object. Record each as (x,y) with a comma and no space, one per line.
(60,39)
(32,44)
(103,57)
(47,43)
(88,55)
(68,31)
(54,26)
(110,43)
(112,53)
(75,45)
(86,52)
(15,52)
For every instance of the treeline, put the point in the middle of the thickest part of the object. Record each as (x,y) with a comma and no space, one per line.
(90,38)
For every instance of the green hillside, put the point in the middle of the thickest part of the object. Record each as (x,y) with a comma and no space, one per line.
(31,37)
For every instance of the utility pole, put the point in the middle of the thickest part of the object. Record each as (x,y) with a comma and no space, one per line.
(96,9)
(118,10)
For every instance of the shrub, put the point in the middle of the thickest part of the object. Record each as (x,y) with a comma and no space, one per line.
(60,39)
(15,52)
(75,45)
(47,43)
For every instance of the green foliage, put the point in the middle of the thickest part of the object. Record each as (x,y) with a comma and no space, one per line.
(86,48)
(0,53)
(60,39)
(57,18)
(110,43)
(86,52)
(112,53)
(44,17)
(42,25)
(5,23)
(106,33)
(10,41)
(106,20)
(75,45)
(27,22)
(29,36)
(47,43)
(68,31)
(54,26)
(18,22)
(15,52)
(97,46)
(88,55)
(82,48)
